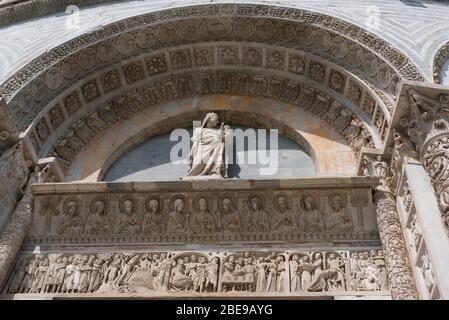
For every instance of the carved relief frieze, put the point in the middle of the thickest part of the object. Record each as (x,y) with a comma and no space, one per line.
(159,273)
(215,216)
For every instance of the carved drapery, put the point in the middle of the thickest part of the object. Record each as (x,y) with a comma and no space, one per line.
(400,274)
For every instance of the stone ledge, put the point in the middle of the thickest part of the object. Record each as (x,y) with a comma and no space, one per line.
(183,186)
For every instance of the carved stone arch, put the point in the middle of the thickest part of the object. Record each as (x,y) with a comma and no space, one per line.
(440,60)
(42,80)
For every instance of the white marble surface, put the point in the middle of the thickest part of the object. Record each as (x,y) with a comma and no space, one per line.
(416,27)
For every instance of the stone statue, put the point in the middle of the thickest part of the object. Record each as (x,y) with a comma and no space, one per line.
(311,219)
(202,219)
(128,221)
(260,218)
(207,158)
(338,217)
(153,221)
(283,220)
(177,219)
(230,217)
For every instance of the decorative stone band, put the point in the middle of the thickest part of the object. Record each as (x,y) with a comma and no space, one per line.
(200,273)
(102,116)
(441,57)
(332,209)
(400,274)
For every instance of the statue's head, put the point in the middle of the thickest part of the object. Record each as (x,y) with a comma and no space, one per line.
(337,202)
(211,120)
(202,204)
(98,207)
(128,206)
(179,205)
(282,202)
(153,205)
(309,203)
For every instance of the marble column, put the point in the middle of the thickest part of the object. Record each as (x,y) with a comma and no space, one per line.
(400,275)
(13,235)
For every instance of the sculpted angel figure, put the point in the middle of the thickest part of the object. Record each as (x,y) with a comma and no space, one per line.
(208,154)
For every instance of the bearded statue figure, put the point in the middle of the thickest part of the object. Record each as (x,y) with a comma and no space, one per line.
(207,158)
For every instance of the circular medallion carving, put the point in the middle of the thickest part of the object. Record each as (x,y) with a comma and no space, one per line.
(215,28)
(322,40)
(303,35)
(339,47)
(264,29)
(70,67)
(38,89)
(54,78)
(188,30)
(87,58)
(125,44)
(145,38)
(285,31)
(166,32)
(383,75)
(106,51)
(244,28)
(371,65)
(356,55)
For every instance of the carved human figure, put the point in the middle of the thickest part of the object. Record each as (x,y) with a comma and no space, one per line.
(211,282)
(295,274)
(70,222)
(153,222)
(179,281)
(250,270)
(203,221)
(283,220)
(227,277)
(160,272)
(128,221)
(98,222)
(50,283)
(338,217)
(96,275)
(230,218)
(427,272)
(191,271)
(177,219)
(307,269)
(28,280)
(208,154)
(39,274)
(262,269)
(311,219)
(272,278)
(260,218)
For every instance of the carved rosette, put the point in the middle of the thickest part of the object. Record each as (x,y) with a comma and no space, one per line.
(400,274)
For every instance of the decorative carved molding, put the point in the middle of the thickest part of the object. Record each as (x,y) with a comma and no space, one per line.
(47,76)
(172,273)
(334,113)
(400,274)
(231,214)
(441,57)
